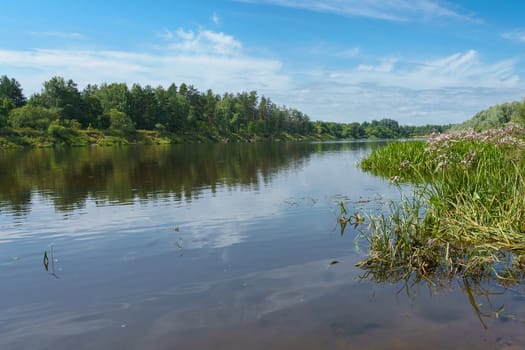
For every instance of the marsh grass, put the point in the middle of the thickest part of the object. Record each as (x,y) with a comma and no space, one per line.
(467,213)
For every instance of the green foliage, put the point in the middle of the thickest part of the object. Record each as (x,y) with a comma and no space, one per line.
(184,110)
(92,109)
(65,132)
(35,117)
(63,96)
(383,129)
(6,107)
(160,128)
(256,127)
(58,131)
(10,89)
(398,161)
(493,117)
(468,209)
(520,113)
(112,96)
(120,123)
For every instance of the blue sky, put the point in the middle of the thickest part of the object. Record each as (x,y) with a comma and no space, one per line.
(416,61)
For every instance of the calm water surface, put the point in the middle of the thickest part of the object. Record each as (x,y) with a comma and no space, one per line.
(215,247)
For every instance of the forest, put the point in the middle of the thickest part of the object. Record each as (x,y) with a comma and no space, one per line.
(62,113)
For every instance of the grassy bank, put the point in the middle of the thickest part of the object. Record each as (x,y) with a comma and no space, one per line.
(61,136)
(466,215)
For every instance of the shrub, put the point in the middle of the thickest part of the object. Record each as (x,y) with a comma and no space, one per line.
(120,123)
(35,117)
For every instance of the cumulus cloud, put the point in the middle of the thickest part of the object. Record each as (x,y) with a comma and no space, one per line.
(204,58)
(201,42)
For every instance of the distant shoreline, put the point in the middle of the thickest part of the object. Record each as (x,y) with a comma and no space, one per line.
(31,138)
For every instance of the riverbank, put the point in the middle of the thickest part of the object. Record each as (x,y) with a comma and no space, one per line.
(15,138)
(467,212)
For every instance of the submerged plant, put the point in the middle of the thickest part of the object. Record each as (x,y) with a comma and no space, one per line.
(344,219)
(50,269)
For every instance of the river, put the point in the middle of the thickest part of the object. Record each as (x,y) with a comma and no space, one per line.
(229,246)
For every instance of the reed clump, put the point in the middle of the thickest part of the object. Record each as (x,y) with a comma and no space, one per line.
(466,215)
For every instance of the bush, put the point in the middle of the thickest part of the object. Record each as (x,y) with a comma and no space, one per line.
(59,132)
(35,117)
(120,123)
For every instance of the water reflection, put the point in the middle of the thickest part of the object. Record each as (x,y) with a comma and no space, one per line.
(483,293)
(214,247)
(440,268)
(69,177)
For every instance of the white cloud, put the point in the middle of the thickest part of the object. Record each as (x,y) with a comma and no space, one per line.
(441,90)
(389,10)
(185,36)
(204,42)
(216,19)
(350,53)
(385,66)
(515,35)
(166,34)
(205,59)
(61,35)
(437,90)
(457,70)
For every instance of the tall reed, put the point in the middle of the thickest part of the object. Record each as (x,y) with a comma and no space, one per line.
(467,213)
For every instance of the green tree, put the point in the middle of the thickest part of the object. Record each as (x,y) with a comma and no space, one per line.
(493,117)
(30,116)
(256,127)
(209,107)
(120,122)
(11,89)
(178,111)
(277,119)
(93,111)
(356,131)
(64,96)
(223,114)
(162,99)
(520,114)
(6,107)
(263,108)
(380,130)
(113,96)
(143,107)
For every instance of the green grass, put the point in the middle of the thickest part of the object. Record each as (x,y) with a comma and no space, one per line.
(466,215)
(59,135)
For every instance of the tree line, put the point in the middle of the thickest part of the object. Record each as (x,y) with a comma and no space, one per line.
(496,117)
(118,109)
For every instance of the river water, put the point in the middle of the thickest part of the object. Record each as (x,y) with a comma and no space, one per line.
(233,246)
